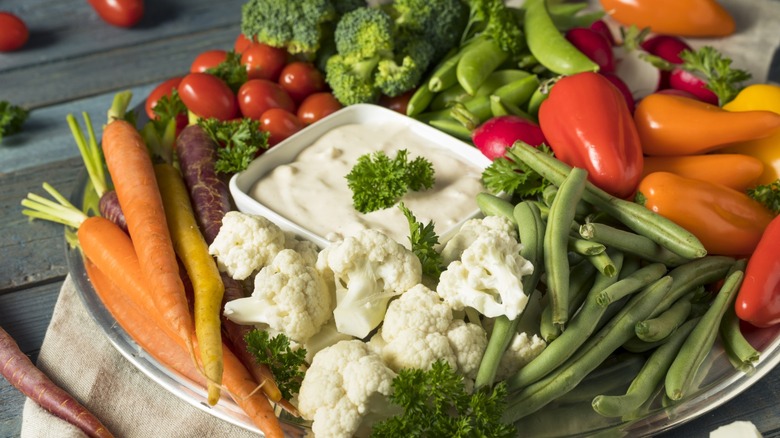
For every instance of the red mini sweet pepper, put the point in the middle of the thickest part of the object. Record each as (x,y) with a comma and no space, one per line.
(758,301)
(587,124)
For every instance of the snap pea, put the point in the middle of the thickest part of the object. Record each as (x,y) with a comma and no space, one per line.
(452,127)
(539,95)
(477,62)
(684,368)
(632,283)
(443,75)
(658,328)
(457,93)
(741,353)
(531,233)
(515,93)
(419,101)
(588,357)
(636,217)
(446,98)
(492,205)
(549,46)
(499,107)
(647,379)
(585,322)
(556,238)
(631,243)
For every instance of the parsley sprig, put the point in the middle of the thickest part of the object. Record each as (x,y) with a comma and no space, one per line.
(231,71)
(11,118)
(715,69)
(378,182)
(510,175)
(423,240)
(767,194)
(436,403)
(240,141)
(286,364)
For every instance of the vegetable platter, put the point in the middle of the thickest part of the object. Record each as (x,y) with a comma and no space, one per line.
(608,281)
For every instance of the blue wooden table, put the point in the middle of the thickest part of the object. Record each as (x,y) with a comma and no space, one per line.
(75,62)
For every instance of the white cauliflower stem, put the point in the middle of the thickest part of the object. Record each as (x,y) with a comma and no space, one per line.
(366,271)
(290,296)
(488,276)
(345,390)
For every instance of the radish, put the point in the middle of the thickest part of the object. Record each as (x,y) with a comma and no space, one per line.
(499,133)
(623,88)
(668,48)
(601,27)
(686,81)
(594,45)
(641,77)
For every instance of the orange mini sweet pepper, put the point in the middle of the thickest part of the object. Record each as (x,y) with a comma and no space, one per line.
(737,171)
(726,221)
(690,18)
(676,125)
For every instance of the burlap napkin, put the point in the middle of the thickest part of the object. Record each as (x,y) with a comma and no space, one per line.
(78,357)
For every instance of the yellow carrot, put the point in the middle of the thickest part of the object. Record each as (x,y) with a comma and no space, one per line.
(207,285)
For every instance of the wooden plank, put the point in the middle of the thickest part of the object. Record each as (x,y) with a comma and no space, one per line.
(46,136)
(10,410)
(67,29)
(112,70)
(33,252)
(26,314)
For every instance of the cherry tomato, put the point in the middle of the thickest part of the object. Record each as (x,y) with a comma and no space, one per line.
(263,61)
(207,60)
(121,13)
(280,124)
(242,43)
(164,89)
(300,79)
(13,32)
(398,103)
(208,96)
(257,96)
(317,106)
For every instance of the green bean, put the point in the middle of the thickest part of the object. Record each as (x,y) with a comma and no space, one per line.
(585,322)
(531,232)
(631,264)
(743,354)
(452,127)
(632,283)
(636,345)
(693,274)
(640,219)
(582,209)
(631,243)
(580,282)
(585,247)
(443,75)
(647,380)
(548,194)
(481,59)
(556,238)
(614,374)
(697,346)
(603,263)
(658,328)
(588,357)
(549,46)
(492,205)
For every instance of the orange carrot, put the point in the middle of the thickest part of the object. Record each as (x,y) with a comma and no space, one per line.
(132,173)
(104,244)
(19,370)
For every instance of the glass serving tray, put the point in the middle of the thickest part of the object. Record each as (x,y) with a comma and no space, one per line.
(569,417)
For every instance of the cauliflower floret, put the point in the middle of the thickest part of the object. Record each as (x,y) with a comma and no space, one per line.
(488,277)
(470,230)
(346,389)
(366,271)
(305,248)
(290,297)
(246,243)
(523,348)
(419,330)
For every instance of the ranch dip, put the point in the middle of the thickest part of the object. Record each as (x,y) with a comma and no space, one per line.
(312,190)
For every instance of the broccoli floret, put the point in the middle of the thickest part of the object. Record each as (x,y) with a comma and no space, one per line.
(404,72)
(365,33)
(351,79)
(440,22)
(298,26)
(495,20)
(344,6)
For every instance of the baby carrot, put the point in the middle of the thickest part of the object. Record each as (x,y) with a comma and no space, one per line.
(191,247)
(130,167)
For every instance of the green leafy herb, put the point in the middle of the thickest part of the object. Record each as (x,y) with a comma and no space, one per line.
(231,71)
(12,118)
(378,182)
(715,69)
(436,403)
(168,107)
(239,140)
(767,194)
(423,240)
(286,364)
(511,175)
